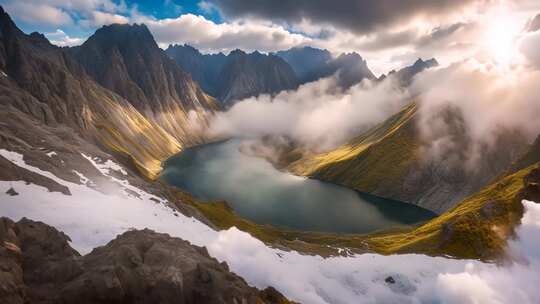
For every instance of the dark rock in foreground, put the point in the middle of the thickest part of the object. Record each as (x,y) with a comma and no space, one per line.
(37,265)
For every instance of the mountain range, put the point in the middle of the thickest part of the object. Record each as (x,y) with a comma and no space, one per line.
(237,75)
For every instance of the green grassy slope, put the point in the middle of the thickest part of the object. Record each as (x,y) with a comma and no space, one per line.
(363,163)
(390,160)
(477,228)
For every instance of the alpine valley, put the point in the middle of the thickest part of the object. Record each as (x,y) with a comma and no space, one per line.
(138,168)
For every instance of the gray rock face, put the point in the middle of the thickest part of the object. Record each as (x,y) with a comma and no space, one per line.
(205,69)
(312,64)
(39,266)
(236,76)
(43,86)
(127,60)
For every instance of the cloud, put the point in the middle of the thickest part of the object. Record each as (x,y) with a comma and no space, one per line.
(39,14)
(68,12)
(206,7)
(97,18)
(209,36)
(316,115)
(534,24)
(60,38)
(530,46)
(360,16)
(465,108)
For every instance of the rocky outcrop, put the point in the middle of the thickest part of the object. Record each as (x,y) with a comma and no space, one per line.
(236,76)
(39,266)
(312,64)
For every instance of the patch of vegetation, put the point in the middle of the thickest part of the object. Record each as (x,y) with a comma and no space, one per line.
(477,228)
(375,160)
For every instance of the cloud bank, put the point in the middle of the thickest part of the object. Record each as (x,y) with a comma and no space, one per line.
(359,16)
(316,115)
(485,102)
(223,37)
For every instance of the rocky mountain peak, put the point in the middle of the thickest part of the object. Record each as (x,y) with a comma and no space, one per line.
(7,24)
(237,52)
(123,35)
(419,63)
(185,47)
(311,64)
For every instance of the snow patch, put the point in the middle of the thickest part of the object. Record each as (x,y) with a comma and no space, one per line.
(51,154)
(92,218)
(84,180)
(104,167)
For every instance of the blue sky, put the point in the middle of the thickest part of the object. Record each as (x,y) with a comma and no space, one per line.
(160,9)
(172,8)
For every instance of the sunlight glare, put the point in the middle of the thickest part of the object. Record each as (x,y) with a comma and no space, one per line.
(500,39)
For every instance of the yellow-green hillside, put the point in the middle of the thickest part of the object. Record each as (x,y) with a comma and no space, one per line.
(478,227)
(390,160)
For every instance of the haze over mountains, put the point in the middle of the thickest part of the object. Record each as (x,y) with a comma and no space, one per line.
(311,64)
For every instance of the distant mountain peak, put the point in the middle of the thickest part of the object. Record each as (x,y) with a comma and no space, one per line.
(311,64)
(6,23)
(120,34)
(237,52)
(427,63)
(406,74)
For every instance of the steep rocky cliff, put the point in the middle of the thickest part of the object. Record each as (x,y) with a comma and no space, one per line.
(126,59)
(236,76)
(42,84)
(39,266)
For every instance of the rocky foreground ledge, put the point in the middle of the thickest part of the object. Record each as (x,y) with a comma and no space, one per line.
(37,265)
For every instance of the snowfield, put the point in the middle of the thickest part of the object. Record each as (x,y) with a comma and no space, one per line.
(92,219)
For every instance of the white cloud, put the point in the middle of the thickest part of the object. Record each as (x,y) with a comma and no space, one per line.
(60,38)
(488,98)
(97,19)
(206,7)
(315,115)
(68,12)
(530,46)
(211,37)
(92,218)
(39,14)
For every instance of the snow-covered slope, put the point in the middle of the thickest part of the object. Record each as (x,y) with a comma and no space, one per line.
(92,218)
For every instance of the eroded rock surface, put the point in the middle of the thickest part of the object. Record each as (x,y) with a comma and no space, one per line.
(37,265)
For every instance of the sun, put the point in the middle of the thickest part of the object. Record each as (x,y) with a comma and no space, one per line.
(500,39)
